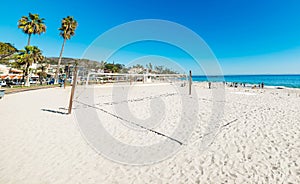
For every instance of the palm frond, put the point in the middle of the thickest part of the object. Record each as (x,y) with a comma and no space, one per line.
(68,27)
(32,24)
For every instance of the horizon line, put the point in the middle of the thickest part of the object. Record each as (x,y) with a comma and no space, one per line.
(201,75)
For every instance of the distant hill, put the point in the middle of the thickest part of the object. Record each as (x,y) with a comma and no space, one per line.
(112,67)
(81,62)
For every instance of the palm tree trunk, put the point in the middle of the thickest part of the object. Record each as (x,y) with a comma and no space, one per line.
(27,83)
(59,60)
(24,74)
(29,37)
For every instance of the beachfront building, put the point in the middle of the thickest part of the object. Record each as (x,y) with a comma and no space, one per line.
(8,73)
(4,70)
(13,76)
(15,71)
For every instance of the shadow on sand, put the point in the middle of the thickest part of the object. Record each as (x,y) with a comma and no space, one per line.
(54,111)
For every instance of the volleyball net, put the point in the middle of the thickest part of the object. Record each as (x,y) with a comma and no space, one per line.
(103,78)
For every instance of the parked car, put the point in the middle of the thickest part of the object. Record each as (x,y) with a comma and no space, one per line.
(32,82)
(2,83)
(10,83)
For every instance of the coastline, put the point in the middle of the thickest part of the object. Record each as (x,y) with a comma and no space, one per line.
(278,89)
(271,80)
(250,85)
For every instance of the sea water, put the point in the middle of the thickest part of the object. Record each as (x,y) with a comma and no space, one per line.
(291,81)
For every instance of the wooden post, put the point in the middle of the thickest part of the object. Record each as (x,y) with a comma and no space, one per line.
(73,90)
(190,83)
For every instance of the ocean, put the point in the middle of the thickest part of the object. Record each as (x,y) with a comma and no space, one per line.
(291,81)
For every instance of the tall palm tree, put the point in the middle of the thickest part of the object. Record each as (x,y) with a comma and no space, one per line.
(102,65)
(67,30)
(32,24)
(27,57)
(149,67)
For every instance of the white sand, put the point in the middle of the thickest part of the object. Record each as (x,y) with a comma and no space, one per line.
(243,93)
(258,141)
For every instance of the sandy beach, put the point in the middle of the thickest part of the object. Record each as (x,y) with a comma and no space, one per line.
(257,140)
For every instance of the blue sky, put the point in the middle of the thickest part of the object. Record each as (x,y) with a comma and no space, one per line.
(247,37)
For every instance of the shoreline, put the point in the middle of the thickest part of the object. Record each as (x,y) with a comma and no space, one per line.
(250,85)
(272,80)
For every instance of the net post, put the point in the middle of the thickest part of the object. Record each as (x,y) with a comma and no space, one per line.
(73,90)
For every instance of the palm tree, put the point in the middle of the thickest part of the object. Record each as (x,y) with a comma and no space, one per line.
(149,67)
(159,69)
(102,65)
(32,24)
(27,57)
(67,30)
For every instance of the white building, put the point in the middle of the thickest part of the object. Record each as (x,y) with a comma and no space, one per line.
(4,69)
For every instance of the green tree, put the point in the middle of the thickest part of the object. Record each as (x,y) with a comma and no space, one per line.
(32,24)
(149,67)
(27,57)
(159,69)
(67,30)
(115,69)
(138,66)
(6,50)
(42,75)
(109,66)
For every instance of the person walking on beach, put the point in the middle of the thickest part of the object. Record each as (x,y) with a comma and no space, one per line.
(262,85)
(209,85)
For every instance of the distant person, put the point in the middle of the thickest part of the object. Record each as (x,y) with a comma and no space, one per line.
(209,85)
(262,85)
